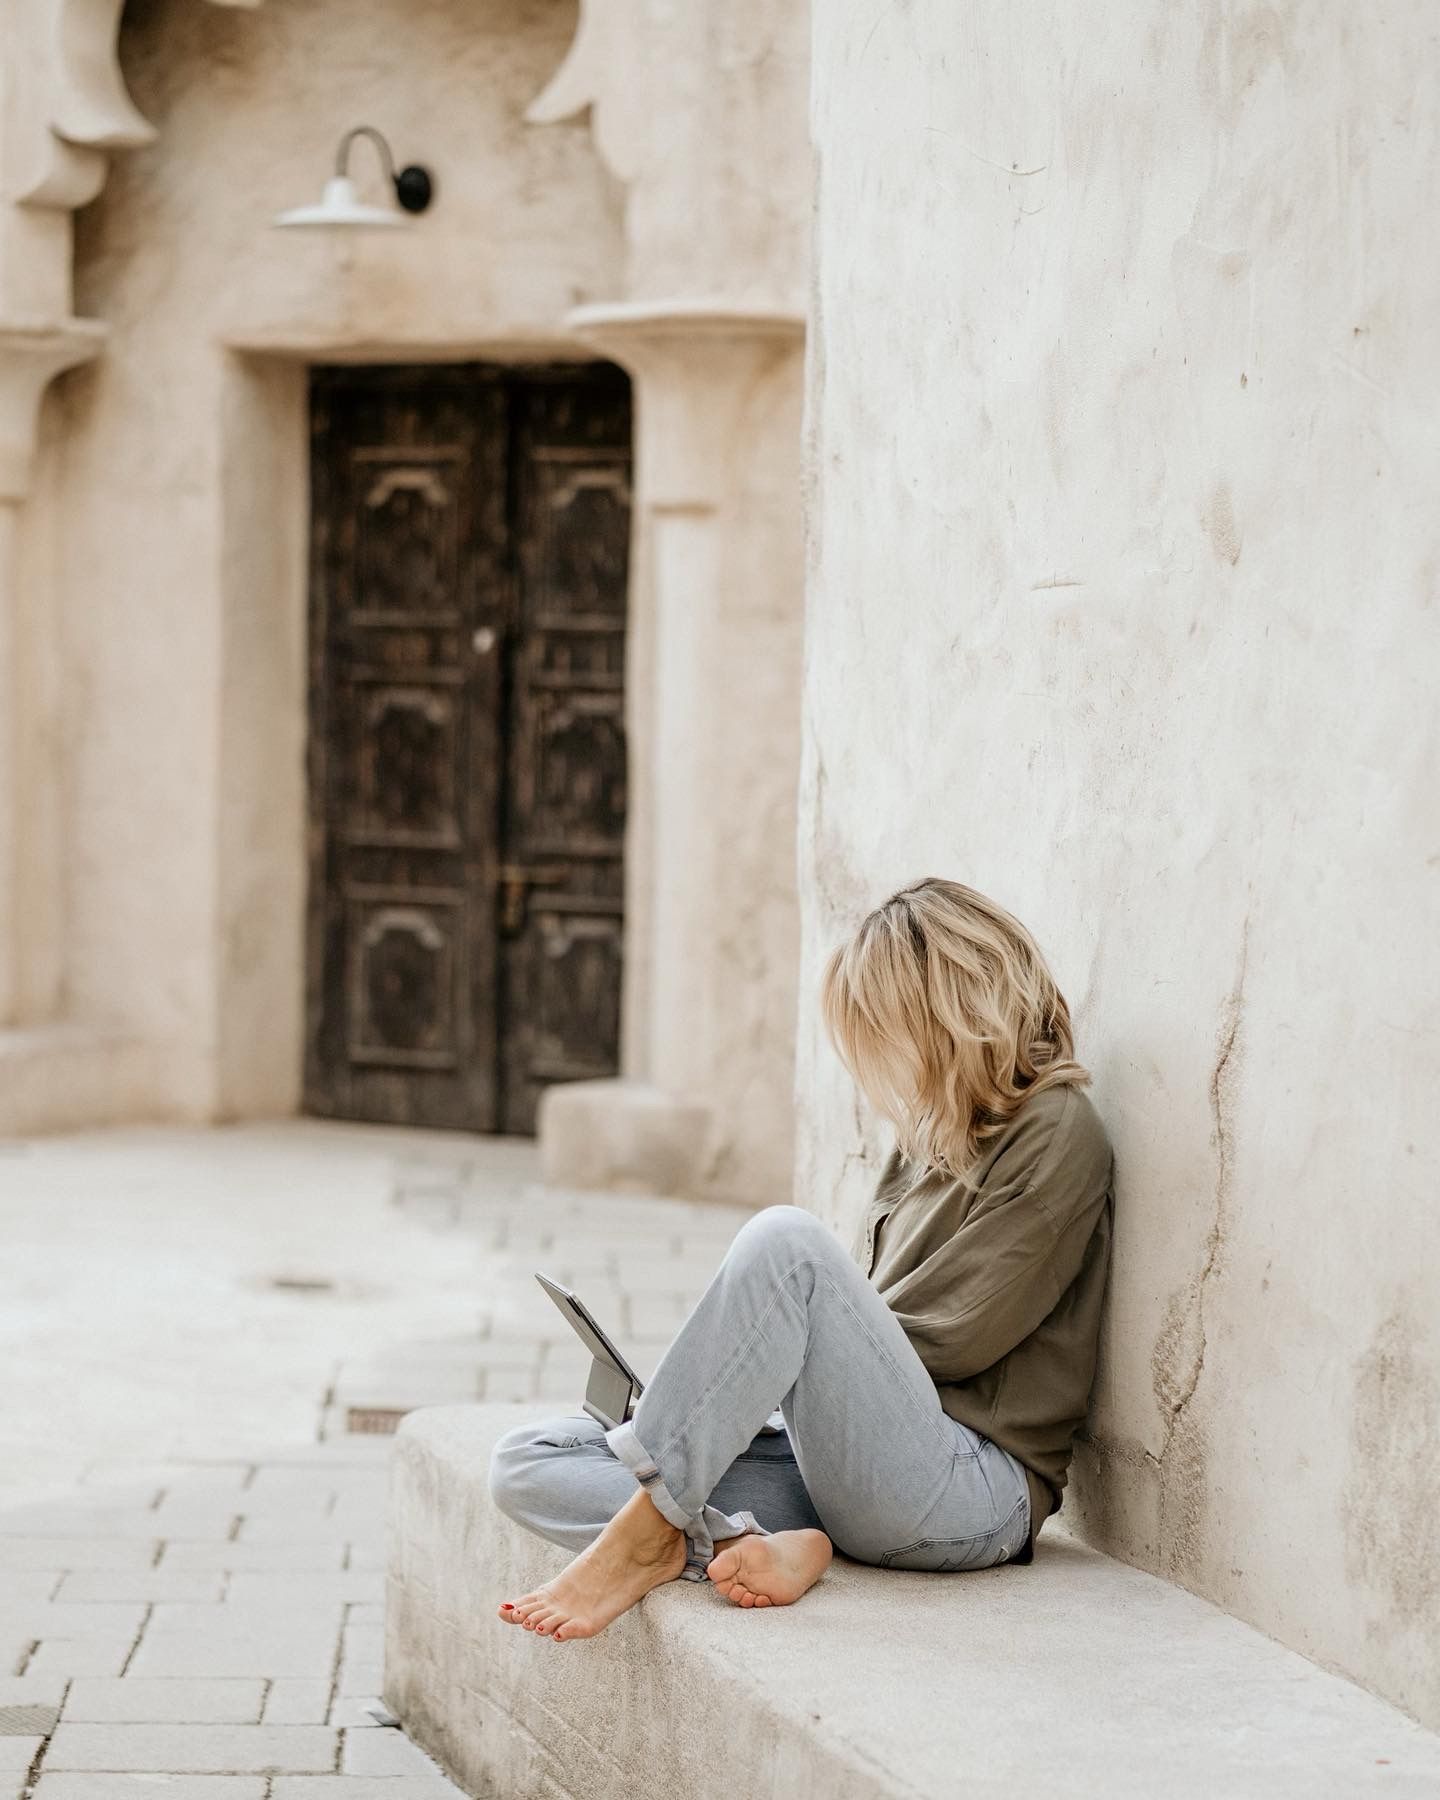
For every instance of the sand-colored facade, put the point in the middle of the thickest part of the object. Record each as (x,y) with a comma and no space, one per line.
(1123,586)
(153,834)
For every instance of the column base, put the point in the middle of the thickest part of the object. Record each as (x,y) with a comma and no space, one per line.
(626,1136)
(75,1077)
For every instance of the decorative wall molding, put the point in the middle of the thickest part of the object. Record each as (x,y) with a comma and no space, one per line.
(31,356)
(697,364)
(67,111)
(86,112)
(602,71)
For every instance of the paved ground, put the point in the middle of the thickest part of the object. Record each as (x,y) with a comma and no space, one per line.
(191,1541)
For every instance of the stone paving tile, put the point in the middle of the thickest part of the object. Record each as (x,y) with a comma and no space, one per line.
(282,1487)
(563,1384)
(31,1690)
(231,1640)
(510,1384)
(180,1516)
(76,1553)
(355,1453)
(359,1680)
(194,1749)
(153,1479)
(146,1585)
(59,1520)
(298,1701)
(265,1587)
(29,1587)
(96,1653)
(216,1700)
(17,1753)
(362,1641)
(358,1391)
(62,1619)
(382,1753)
(303,1557)
(352,1711)
(316,1528)
(151,1787)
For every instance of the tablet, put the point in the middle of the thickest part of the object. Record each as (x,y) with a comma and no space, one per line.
(613,1386)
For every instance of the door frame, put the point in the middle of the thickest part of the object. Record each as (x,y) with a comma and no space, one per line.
(261,791)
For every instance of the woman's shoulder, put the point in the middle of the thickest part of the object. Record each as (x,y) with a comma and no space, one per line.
(1058,1127)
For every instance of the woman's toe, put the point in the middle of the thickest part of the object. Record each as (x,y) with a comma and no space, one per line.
(724,1566)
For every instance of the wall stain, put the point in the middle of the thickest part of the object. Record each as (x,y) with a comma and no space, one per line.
(1219,521)
(1177,1360)
(1387,1506)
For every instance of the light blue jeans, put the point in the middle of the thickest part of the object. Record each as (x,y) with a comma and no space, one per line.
(867,1454)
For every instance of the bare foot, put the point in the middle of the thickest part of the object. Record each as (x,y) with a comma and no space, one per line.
(635,1552)
(774,1570)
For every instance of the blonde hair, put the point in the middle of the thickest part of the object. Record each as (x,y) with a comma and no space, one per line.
(942,1008)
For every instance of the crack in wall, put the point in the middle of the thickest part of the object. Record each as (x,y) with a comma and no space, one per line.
(1191,1318)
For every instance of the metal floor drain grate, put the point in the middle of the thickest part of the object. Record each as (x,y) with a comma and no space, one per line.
(28,1721)
(375,1421)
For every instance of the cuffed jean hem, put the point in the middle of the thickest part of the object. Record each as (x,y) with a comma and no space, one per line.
(702,1529)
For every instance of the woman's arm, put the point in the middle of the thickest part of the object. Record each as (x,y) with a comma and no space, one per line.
(989,1286)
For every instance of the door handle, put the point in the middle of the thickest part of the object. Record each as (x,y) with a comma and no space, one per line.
(514,882)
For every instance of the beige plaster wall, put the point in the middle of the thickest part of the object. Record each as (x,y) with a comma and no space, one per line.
(1122,606)
(169,517)
(700,110)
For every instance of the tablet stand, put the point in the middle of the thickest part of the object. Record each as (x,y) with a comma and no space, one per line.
(608,1394)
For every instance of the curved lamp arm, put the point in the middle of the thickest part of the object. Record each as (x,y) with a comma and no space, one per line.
(413,185)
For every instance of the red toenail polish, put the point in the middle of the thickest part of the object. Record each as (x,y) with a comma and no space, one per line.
(507,1606)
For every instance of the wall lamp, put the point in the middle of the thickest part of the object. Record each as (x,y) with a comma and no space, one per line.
(341,205)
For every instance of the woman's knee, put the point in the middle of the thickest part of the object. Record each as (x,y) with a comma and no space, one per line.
(791,1228)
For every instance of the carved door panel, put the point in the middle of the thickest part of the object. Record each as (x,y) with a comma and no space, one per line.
(565,776)
(466,752)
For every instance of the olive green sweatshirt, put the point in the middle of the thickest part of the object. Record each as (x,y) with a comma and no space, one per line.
(998,1278)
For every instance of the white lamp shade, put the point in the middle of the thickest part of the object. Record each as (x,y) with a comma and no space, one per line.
(341,205)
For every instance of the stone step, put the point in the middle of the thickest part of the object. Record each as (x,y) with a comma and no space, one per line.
(1073,1675)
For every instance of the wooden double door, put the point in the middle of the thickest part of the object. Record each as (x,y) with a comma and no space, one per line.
(470,532)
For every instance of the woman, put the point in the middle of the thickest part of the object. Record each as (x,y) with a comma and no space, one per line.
(932,1380)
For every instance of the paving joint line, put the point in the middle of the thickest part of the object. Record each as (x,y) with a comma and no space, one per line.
(144,1624)
(339,1653)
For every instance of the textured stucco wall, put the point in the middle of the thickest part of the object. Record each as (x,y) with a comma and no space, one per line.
(171,497)
(1122,606)
(700,110)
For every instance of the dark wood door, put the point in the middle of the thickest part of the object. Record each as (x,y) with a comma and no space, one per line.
(469,550)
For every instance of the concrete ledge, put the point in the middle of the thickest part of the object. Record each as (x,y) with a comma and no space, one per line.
(1074,1675)
(624,1135)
